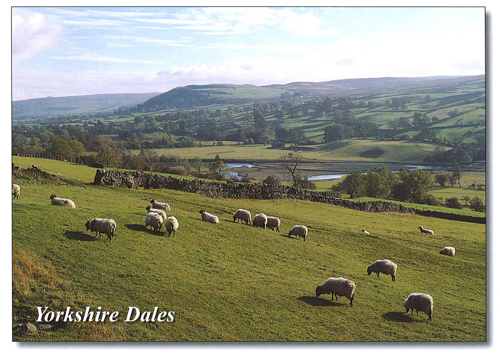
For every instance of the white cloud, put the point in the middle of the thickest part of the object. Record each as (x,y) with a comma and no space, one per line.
(32,33)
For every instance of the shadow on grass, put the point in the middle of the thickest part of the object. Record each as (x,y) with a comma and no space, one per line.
(319,301)
(143,228)
(397,316)
(79,236)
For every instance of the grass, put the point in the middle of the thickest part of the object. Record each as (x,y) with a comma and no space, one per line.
(233,282)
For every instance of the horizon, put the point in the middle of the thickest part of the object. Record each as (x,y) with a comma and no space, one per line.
(76,51)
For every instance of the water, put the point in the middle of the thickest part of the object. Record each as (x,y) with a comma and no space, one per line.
(327,177)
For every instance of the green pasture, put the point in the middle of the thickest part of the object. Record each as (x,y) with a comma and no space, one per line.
(234,282)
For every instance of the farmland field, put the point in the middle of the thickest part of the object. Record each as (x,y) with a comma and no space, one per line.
(234,282)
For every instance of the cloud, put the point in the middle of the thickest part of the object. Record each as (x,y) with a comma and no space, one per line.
(32,33)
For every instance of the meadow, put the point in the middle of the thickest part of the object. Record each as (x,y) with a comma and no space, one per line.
(234,282)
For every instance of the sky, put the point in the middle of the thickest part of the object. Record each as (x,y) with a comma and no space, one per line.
(64,51)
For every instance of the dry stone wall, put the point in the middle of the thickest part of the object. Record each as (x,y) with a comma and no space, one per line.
(234,190)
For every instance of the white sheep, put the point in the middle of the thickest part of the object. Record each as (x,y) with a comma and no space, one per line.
(242,215)
(156,210)
(426,231)
(273,222)
(154,220)
(260,220)
(385,266)
(102,225)
(365,231)
(16,191)
(419,302)
(62,202)
(298,231)
(339,286)
(448,250)
(171,225)
(208,217)
(160,205)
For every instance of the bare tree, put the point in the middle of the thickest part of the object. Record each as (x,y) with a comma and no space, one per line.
(290,162)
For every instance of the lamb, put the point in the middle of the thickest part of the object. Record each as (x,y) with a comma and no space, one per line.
(208,217)
(448,250)
(365,231)
(298,231)
(171,225)
(16,191)
(273,222)
(242,215)
(419,302)
(385,266)
(102,225)
(260,220)
(339,286)
(426,231)
(156,210)
(61,202)
(154,220)
(160,205)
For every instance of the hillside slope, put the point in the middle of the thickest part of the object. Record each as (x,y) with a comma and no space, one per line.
(233,282)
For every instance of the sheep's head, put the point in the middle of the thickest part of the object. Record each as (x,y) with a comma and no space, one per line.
(420,227)
(52,196)
(202,211)
(369,270)
(148,208)
(319,291)
(87,225)
(152,201)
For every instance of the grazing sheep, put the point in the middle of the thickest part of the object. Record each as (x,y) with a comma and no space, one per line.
(154,220)
(260,220)
(171,225)
(365,231)
(156,210)
(339,286)
(208,217)
(242,215)
(273,222)
(160,205)
(16,191)
(448,250)
(385,266)
(61,202)
(426,231)
(102,225)
(419,302)
(298,231)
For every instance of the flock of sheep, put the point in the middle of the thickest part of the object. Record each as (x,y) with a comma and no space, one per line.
(156,217)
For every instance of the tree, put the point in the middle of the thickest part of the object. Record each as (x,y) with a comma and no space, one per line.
(354,184)
(334,132)
(456,176)
(258,119)
(108,153)
(441,179)
(290,162)
(416,184)
(219,167)
(197,164)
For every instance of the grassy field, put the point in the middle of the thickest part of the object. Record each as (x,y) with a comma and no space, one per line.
(233,282)
(352,150)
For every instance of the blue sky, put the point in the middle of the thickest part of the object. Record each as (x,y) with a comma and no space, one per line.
(63,51)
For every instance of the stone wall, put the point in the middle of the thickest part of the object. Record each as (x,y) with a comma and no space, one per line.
(234,190)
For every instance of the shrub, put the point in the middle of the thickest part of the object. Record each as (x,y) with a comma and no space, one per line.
(433,200)
(304,183)
(477,204)
(271,181)
(453,202)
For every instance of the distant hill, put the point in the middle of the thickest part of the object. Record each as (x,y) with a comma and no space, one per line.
(204,95)
(60,106)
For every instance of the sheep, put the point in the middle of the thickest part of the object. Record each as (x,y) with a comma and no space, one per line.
(426,231)
(298,231)
(419,302)
(242,215)
(385,266)
(365,231)
(160,205)
(154,220)
(207,217)
(16,191)
(62,202)
(171,225)
(448,250)
(102,225)
(260,220)
(273,222)
(339,286)
(156,210)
